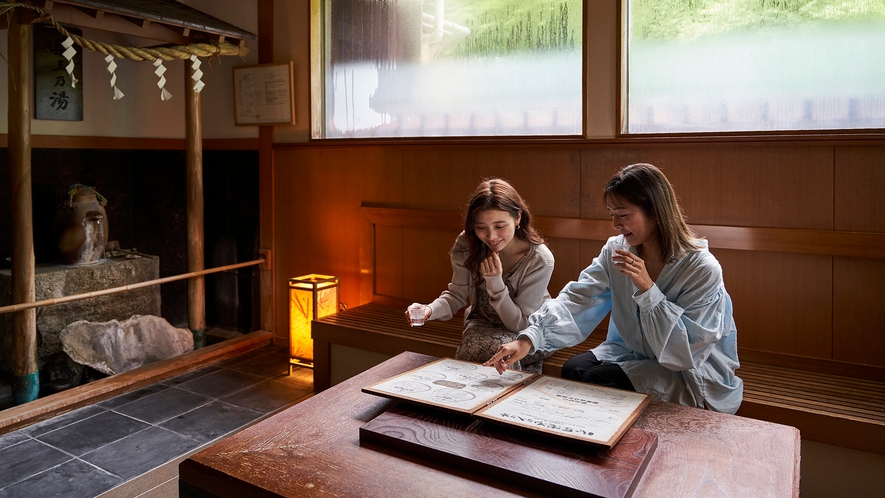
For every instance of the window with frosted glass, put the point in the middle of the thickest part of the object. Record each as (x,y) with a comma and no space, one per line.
(412,68)
(755,65)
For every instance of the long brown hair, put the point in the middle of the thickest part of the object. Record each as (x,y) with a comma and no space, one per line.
(646,187)
(497,194)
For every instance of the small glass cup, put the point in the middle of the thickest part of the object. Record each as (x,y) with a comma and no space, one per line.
(416,316)
(621,246)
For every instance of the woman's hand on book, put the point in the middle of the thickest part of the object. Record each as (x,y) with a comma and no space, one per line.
(509,353)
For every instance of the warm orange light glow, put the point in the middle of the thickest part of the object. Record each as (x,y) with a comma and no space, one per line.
(311,297)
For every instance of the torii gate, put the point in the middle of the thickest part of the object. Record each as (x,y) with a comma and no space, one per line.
(192,33)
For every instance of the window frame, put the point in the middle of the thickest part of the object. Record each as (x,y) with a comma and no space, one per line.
(603,98)
(623,108)
(319,40)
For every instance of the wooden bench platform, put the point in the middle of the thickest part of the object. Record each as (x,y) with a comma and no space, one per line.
(383,329)
(841,410)
(830,402)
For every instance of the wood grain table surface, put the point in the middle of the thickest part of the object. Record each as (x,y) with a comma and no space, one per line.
(313,449)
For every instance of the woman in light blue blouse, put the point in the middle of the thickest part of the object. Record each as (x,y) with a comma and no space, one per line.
(671,333)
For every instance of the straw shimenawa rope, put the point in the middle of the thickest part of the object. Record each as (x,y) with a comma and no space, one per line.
(134,53)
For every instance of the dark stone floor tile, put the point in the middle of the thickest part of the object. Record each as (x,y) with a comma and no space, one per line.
(60,421)
(240,358)
(181,379)
(162,405)
(221,383)
(266,365)
(277,348)
(141,452)
(12,438)
(26,459)
(267,396)
(92,433)
(212,421)
(72,479)
(132,396)
(300,377)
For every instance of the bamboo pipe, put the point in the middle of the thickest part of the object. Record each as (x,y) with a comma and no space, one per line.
(196,287)
(26,382)
(86,295)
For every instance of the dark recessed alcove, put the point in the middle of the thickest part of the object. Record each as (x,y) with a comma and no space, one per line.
(147,211)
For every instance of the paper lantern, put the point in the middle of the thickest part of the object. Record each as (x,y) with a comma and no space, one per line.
(311,297)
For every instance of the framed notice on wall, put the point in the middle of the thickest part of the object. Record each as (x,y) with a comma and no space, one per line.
(263,94)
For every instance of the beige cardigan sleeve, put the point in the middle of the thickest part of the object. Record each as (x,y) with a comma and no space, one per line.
(529,284)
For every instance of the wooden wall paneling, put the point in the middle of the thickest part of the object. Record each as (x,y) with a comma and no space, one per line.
(589,249)
(545,176)
(318,192)
(427,267)
(567,262)
(388,261)
(860,183)
(782,301)
(597,166)
(859,311)
(796,241)
(748,185)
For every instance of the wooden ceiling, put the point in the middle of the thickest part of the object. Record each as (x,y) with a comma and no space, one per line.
(166,21)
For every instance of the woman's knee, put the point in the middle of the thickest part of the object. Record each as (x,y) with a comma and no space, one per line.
(576,366)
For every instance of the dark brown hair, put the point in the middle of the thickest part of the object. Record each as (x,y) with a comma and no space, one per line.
(646,187)
(495,193)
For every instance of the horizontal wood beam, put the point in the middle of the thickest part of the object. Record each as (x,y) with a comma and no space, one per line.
(132,143)
(790,240)
(94,13)
(86,17)
(69,15)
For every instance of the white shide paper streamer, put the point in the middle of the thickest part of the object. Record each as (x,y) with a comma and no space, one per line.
(69,54)
(112,66)
(198,85)
(164,94)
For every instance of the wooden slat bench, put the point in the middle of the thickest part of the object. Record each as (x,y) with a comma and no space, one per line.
(842,410)
(830,402)
(383,329)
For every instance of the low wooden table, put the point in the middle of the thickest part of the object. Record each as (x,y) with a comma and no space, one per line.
(313,448)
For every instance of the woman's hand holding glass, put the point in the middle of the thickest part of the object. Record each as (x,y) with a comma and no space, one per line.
(417,314)
(634,267)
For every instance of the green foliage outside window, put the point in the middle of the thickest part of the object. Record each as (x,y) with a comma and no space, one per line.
(499,27)
(689,19)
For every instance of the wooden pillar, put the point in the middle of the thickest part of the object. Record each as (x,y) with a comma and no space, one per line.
(267,287)
(26,380)
(196,287)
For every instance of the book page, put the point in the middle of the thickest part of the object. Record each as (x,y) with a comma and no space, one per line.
(452,384)
(570,409)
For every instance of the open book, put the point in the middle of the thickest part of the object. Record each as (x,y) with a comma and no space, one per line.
(558,407)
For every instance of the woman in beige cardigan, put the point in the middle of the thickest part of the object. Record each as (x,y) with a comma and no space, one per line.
(499,263)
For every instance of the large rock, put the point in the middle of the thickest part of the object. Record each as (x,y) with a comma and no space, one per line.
(56,280)
(113,347)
